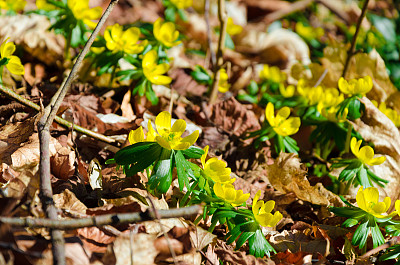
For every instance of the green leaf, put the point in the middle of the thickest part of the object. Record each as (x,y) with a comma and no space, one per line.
(259,246)
(193,152)
(133,153)
(360,235)
(350,222)
(252,88)
(76,36)
(170,13)
(229,42)
(377,237)
(385,26)
(243,238)
(183,170)
(363,178)
(150,95)
(200,77)
(161,178)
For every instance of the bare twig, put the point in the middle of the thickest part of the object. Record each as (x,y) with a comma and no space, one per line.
(394,241)
(57,119)
(351,51)
(47,118)
(296,6)
(157,215)
(209,38)
(100,220)
(222,17)
(332,7)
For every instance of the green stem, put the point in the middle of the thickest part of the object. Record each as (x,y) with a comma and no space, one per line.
(348,137)
(112,76)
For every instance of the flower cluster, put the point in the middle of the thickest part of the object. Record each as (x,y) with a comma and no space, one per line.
(12,5)
(281,123)
(355,86)
(272,73)
(390,113)
(125,41)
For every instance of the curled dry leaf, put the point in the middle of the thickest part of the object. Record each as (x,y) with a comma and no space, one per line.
(68,202)
(240,257)
(179,240)
(288,174)
(95,239)
(378,129)
(30,31)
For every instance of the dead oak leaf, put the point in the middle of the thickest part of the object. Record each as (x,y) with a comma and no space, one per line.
(240,257)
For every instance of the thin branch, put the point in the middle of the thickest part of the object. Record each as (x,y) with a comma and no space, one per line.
(209,38)
(157,215)
(296,6)
(11,94)
(222,17)
(394,241)
(351,51)
(100,220)
(330,4)
(47,118)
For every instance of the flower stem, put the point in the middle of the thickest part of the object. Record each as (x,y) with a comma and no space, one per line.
(348,137)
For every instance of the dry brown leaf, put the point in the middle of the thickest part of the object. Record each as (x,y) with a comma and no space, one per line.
(62,163)
(30,31)
(179,240)
(201,238)
(280,47)
(68,202)
(131,207)
(233,117)
(126,106)
(288,174)
(95,238)
(378,129)
(12,135)
(140,250)
(240,257)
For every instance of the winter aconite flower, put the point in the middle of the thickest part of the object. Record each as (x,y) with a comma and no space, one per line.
(216,169)
(81,11)
(182,4)
(355,86)
(12,62)
(262,212)
(368,200)
(272,73)
(288,91)
(223,85)
(309,33)
(170,137)
(365,154)
(390,113)
(44,5)
(14,5)
(153,71)
(137,136)
(281,124)
(127,41)
(232,28)
(228,193)
(166,33)
(331,114)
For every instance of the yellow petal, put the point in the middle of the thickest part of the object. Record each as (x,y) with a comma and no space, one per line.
(15,66)
(269,206)
(343,86)
(164,143)
(179,126)
(136,136)
(355,146)
(366,154)
(269,114)
(218,190)
(131,35)
(149,59)
(397,206)
(204,156)
(163,122)
(361,199)
(377,161)
(192,138)
(7,49)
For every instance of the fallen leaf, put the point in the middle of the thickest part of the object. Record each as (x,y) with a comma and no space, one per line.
(240,257)
(95,238)
(139,250)
(68,202)
(288,174)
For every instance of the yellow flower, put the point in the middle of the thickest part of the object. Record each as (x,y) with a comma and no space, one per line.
(137,136)
(397,207)
(262,212)
(127,41)
(43,5)
(232,28)
(308,33)
(288,91)
(281,124)
(390,113)
(365,154)
(182,4)
(216,169)
(153,71)
(12,62)
(223,85)
(368,200)
(81,11)
(330,114)
(355,86)
(170,137)
(228,193)
(15,5)
(272,73)
(166,33)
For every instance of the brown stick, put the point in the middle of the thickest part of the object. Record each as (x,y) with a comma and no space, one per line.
(395,240)
(100,220)
(222,17)
(338,12)
(11,94)
(209,38)
(47,118)
(350,53)
(296,6)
